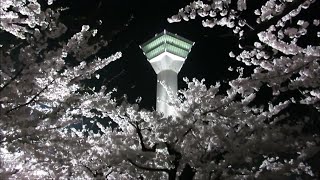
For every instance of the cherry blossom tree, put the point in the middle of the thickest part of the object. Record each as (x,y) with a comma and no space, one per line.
(220,133)
(277,47)
(215,136)
(39,91)
(273,43)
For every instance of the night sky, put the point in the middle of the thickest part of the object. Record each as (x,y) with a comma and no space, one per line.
(130,23)
(127,24)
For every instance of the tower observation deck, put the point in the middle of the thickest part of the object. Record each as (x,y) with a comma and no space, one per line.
(166,53)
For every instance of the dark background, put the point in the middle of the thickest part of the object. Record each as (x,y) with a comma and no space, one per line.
(127,24)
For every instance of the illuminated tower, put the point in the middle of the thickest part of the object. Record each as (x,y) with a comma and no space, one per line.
(166,52)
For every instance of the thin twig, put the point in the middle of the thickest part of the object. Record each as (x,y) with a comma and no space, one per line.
(31,100)
(12,79)
(148,168)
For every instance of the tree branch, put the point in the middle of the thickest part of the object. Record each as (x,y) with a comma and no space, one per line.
(286,73)
(148,168)
(187,131)
(89,170)
(266,24)
(143,146)
(204,113)
(106,176)
(12,79)
(31,100)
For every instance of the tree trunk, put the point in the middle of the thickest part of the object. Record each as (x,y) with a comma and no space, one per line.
(172,174)
(187,173)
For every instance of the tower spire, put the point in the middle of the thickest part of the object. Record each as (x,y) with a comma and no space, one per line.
(166,53)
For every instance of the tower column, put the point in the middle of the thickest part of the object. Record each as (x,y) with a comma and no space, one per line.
(166,53)
(167,83)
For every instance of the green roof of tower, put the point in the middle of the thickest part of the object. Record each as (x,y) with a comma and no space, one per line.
(167,42)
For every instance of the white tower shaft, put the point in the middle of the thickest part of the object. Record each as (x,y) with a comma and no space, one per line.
(167,67)
(166,53)
(167,83)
